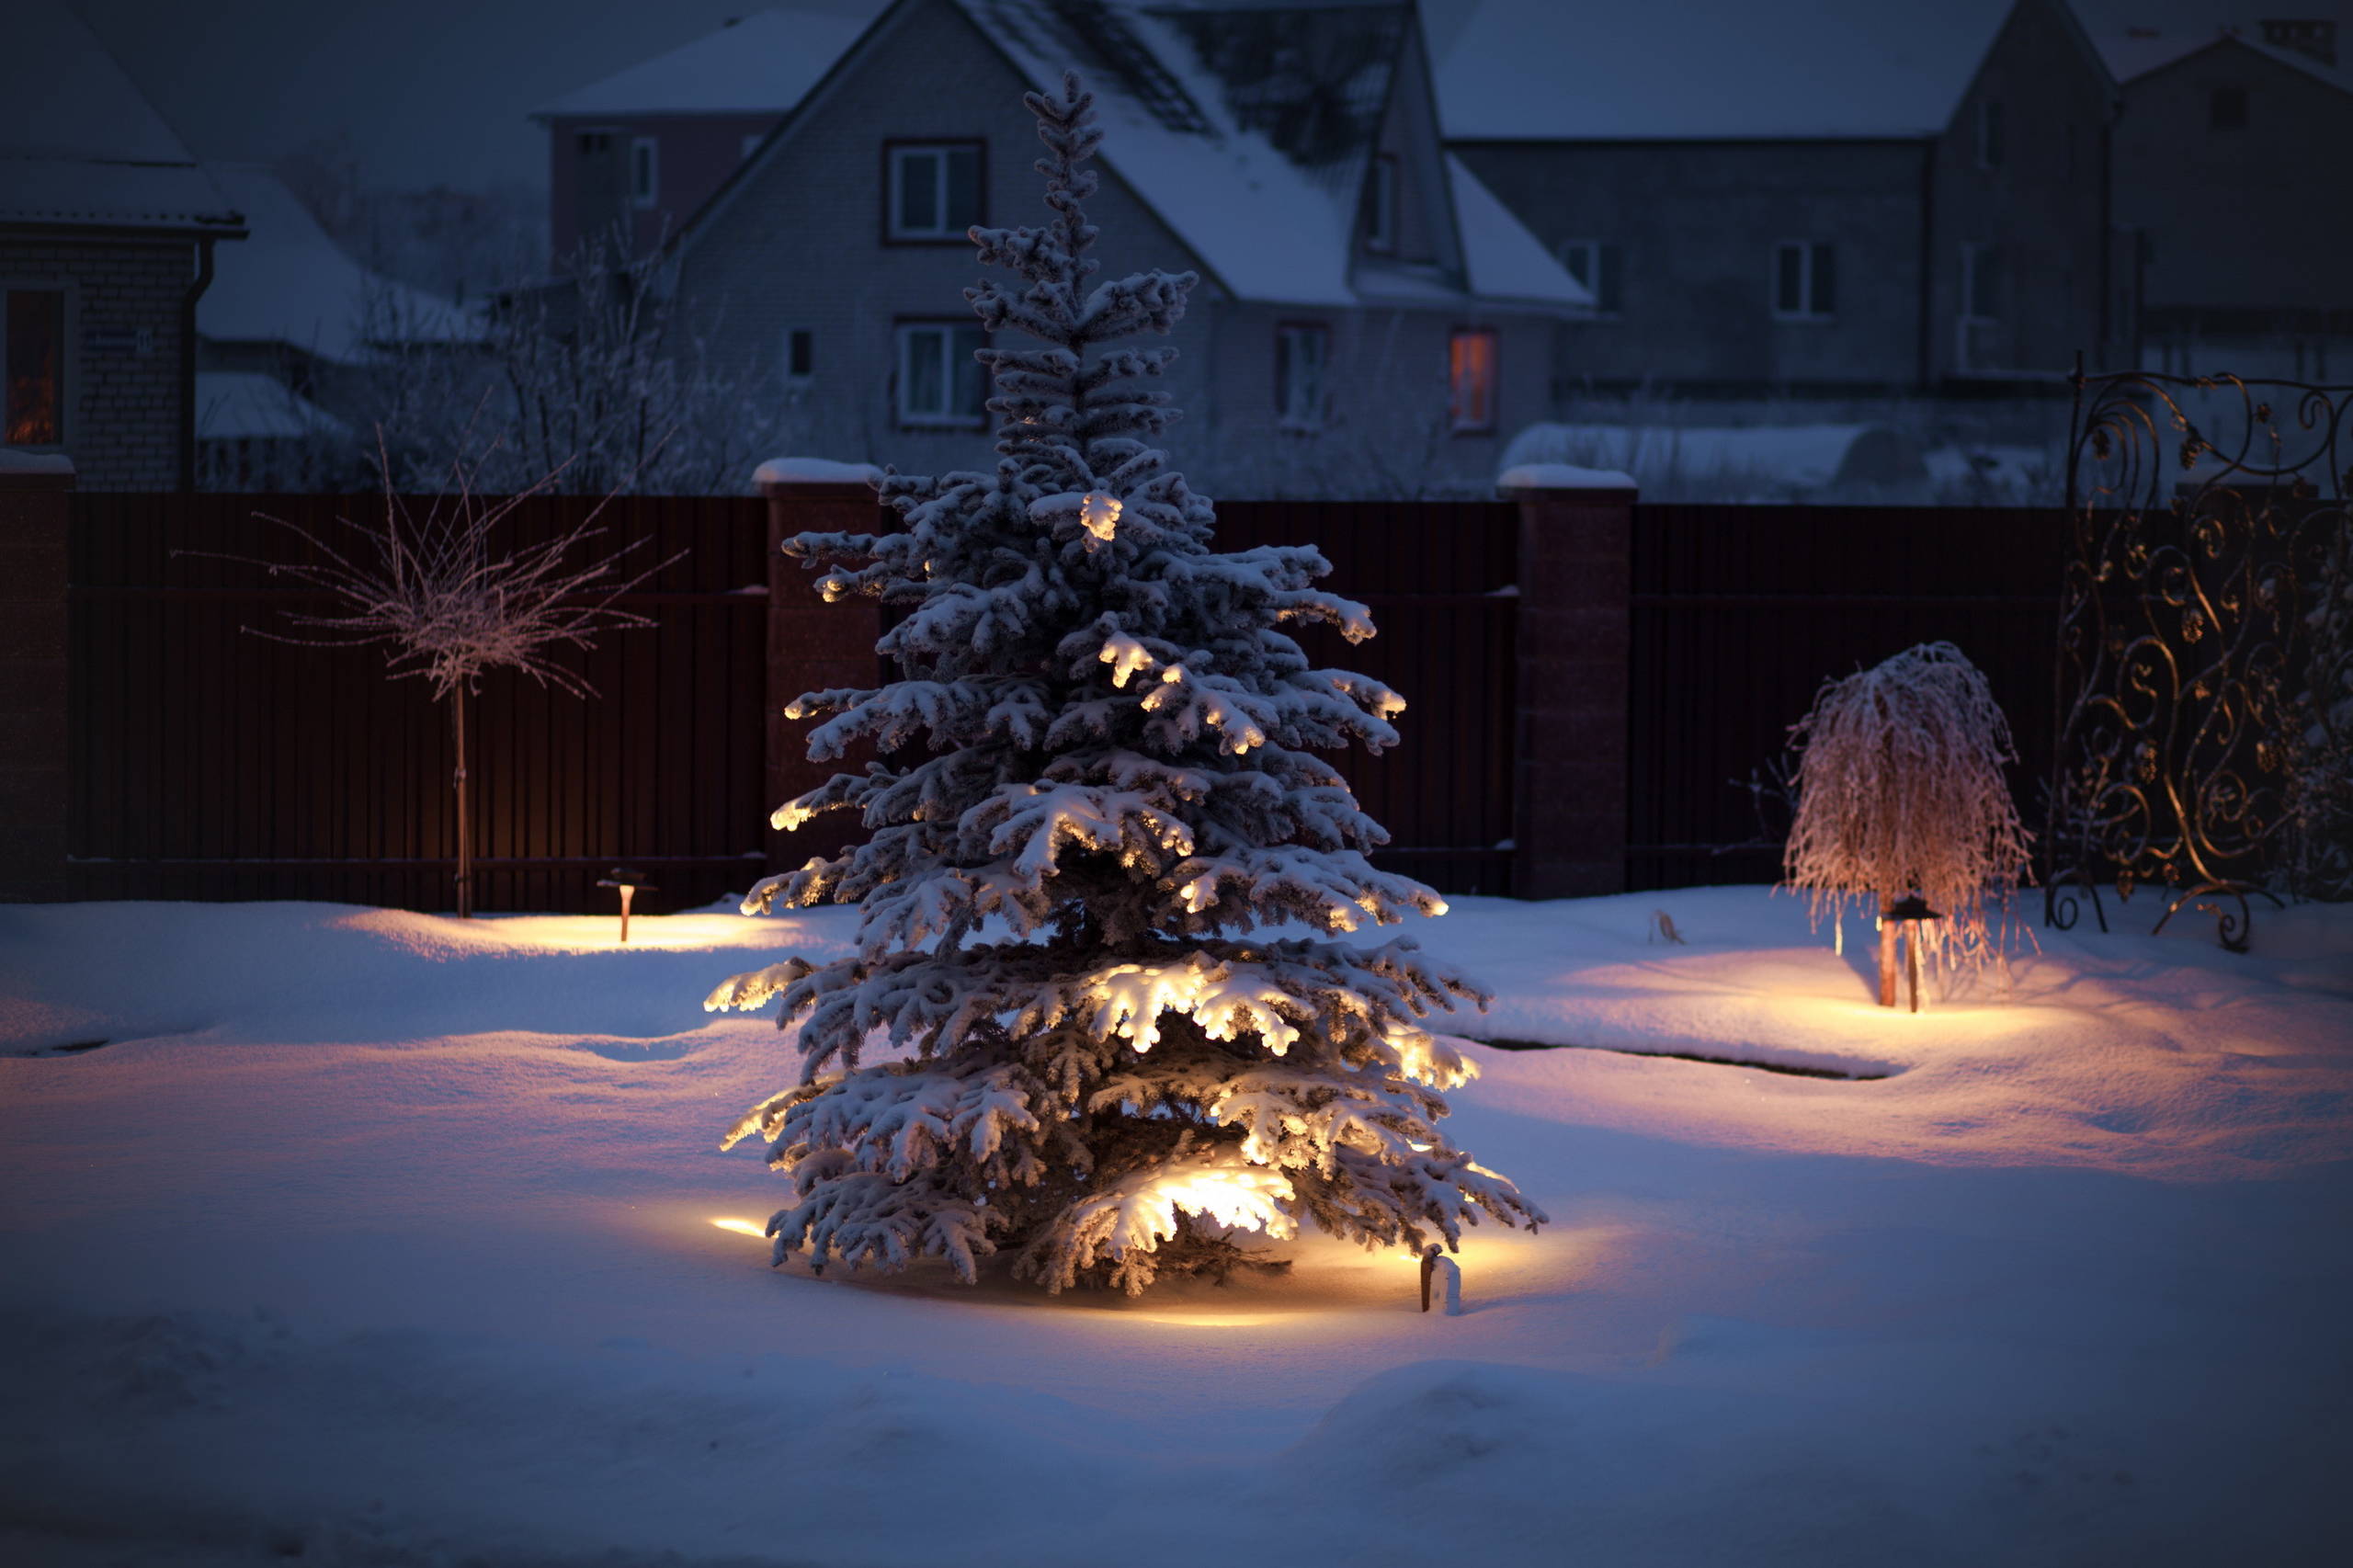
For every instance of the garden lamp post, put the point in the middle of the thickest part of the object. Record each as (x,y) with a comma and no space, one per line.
(628,882)
(1900,923)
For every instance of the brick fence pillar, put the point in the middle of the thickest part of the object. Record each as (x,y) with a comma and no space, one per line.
(34,792)
(812,644)
(1575,582)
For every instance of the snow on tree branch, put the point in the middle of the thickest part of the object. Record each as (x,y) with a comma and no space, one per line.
(1100,779)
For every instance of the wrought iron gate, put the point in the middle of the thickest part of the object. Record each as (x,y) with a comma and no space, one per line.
(2204,741)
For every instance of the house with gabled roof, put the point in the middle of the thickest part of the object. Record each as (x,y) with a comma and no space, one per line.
(107,225)
(2228,189)
(633,157)
(1370,317)
(1842,199)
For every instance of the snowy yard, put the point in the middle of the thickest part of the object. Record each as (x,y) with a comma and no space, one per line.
(370,1237)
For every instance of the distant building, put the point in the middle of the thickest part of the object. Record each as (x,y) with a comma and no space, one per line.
(106,231)
(2231,196)
(631,158)
(1843,198)
(295,340)
(1369,314)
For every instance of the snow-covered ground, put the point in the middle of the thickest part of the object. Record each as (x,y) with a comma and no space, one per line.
(377,1238)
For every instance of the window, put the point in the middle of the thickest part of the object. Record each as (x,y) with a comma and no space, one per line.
(595,143)
(2226,110)
(32,348)
(1600,267)
(1381,203)
(935,190)
(644,171)
(1471,380)
(1805,281)
(1301,350)
(939,381)
(1989,134)
(1981,282)
(800,353)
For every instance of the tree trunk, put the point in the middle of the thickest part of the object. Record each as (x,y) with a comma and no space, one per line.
(1888,938)
(465,827)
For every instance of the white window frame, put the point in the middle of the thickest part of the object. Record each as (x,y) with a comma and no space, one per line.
(900,155)
(1592,253)
(1301,407)
(1809,308)
(946,418)
(1489,419)
(68,356)
(644,171)
(1380,205)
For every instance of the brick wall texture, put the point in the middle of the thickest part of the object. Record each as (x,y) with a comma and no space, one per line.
(122,370)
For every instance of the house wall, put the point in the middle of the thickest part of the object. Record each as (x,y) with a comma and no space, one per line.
(1696,224)
(124,407)
(2246,233)
(694,156)
(2042,208)
(799,245)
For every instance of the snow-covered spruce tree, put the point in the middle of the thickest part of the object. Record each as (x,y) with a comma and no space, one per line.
(1900,790)
(1117,1078)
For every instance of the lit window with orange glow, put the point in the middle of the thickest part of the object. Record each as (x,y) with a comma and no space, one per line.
(1471,380)
(32,345)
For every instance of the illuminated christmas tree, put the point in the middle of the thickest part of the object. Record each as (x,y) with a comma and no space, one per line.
(1082,1058)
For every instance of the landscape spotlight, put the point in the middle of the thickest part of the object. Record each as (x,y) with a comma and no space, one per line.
(630,881)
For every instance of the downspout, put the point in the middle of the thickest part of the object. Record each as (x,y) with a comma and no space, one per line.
(188,360)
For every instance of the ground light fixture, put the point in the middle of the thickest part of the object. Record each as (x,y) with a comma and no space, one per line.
(1899,923)
(630,883)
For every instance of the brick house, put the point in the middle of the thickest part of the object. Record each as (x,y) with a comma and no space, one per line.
(1842,199)
(106,231)
(1370,315)
(2235,232)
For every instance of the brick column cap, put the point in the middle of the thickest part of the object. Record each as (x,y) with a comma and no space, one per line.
(1531,482)
(21,470)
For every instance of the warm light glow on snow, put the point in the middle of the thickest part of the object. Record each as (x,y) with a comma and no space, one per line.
(743,1227)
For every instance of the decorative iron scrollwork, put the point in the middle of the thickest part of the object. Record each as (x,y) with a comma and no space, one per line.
(2205,669)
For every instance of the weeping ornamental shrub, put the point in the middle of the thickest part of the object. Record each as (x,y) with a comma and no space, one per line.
(1900,790)
(1121,771)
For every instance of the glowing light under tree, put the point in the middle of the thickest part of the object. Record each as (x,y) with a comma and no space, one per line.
(1122,768)
(1901,797)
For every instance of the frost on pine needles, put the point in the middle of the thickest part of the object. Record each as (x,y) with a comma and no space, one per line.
(1900,790)
(1058,1038)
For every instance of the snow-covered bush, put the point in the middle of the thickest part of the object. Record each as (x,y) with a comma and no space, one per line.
(1094,1065)
(1900,790)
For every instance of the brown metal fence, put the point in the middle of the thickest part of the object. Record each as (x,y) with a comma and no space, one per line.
(1434,575)
(213,764)
(1741,612)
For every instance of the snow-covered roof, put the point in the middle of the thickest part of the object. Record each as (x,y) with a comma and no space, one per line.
(1247,128)
(244,405)
(81,146)
(2136,37)
(1544,70)
(290,283)
(760,63)
(2140,52)
(1504,260)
